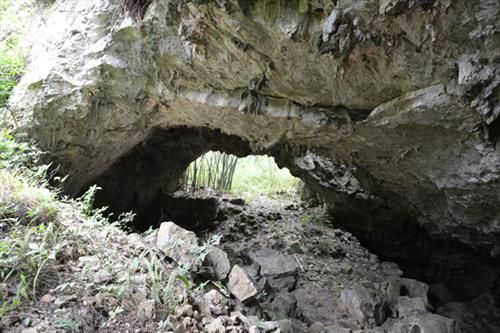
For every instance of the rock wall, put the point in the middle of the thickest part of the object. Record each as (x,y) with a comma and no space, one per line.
(398,100)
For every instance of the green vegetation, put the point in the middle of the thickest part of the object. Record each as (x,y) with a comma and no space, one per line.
(256,175)
(246,177)
(12,57)
(213,170)
(321,219)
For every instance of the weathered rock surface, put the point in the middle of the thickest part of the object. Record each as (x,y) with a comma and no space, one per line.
(271,262)
(178,244)
(219,262)
(389,109)
(240,284)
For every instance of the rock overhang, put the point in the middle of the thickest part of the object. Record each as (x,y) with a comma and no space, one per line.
(380,98)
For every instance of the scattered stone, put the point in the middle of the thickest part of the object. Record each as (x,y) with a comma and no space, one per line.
(26,322)
(29,330)
(178,243)
(272,262)
(346,268)
(359,303)
(9,320)
(281,282)
(136,240)
(185,310)
(47,298)
(268,325)
(89,261)
(422,322)
(391,269)
(219,261)
(218,325)
(415,288)
(214,303)
(407,305)
(146,310)
(240,284)
(102,277)
(63,301)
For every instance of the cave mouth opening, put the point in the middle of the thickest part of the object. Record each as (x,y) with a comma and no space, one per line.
(249,177)
(179,174)
(213,178)
(146,181)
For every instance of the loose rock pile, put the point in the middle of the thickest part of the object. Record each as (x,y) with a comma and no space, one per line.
(352,291)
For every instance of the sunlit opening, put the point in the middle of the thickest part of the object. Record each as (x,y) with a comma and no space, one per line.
(248,177)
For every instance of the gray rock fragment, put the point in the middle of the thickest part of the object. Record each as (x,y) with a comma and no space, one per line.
(240,284)
(178,244)
(272,262)
(392,7)
(219,262)
(331,24)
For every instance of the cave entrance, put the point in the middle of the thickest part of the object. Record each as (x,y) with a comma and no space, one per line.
(148,178)
(179,174)
(216,177)
(250,177)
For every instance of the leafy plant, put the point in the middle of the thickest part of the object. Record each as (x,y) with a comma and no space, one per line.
(321,219)
(67,324)
(21,157)
(116,311)
(86,201)
(11,69)
(24,255)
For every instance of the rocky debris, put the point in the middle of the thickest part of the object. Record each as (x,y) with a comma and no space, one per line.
(276,287)
(273,263)
(240,284)
(392,7)
(237,201)
(214,303)
(351,292)
(219,263)
(423,322)
(178,244)
(47,298)
(361,305)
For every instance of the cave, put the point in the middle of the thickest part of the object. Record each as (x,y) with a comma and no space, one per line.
(145,180)
(387,110)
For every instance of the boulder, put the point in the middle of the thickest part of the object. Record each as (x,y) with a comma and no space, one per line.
(178,244)
(406,306)
(240,285)
(362,304)
(273,263)
(414,288)
(422,322)
(219,262)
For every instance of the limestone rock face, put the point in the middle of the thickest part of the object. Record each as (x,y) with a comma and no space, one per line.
(390,109)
